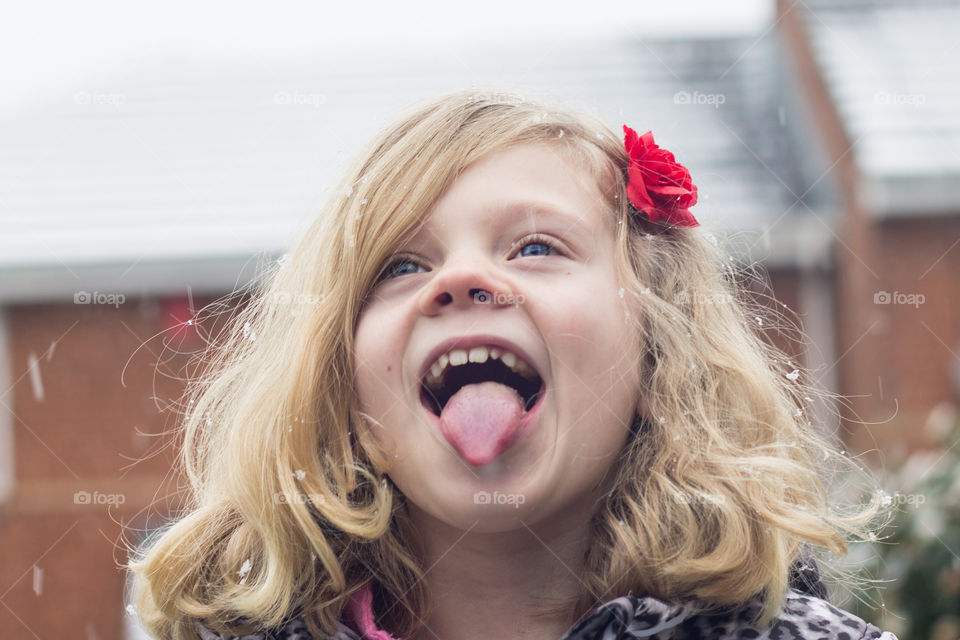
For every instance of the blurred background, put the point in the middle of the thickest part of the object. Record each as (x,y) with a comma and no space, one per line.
(154,158)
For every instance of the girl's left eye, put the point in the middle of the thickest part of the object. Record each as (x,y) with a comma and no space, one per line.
(405,265)
(542,245)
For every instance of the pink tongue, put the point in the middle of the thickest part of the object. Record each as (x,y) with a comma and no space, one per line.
(480,420)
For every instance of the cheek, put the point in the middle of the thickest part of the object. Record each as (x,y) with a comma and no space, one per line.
(596,355)
(375,363)
(590,322)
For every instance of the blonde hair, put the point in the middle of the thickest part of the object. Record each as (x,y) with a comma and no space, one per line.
(291,512)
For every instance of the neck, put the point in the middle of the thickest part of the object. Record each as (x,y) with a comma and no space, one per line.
(491,585)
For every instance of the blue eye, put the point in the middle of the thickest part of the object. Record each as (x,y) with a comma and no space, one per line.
(406,265)
(399,268)
(545,249)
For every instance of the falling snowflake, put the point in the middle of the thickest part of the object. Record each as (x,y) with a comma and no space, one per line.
(561,134)
(661,419)
(36,383)
(620,293)
(300,474)
(244,570)
(793,375)
(676,437)
(37,580)
(645,290)
(248,332)
(759,320)
(131,609)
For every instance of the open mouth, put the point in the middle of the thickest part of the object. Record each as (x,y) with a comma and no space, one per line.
(436,391)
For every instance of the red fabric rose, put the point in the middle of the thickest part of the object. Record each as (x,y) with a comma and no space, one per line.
(658,185)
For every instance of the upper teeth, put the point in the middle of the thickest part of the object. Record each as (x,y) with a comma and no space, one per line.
(458,357)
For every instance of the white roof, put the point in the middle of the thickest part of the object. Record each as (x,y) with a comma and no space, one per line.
(893,71)
(182,172)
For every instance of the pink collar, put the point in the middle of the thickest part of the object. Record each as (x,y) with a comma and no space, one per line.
(360,612)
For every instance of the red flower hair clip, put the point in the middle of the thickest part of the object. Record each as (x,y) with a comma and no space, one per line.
(658,185)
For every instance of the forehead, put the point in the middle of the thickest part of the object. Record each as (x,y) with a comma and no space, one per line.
(531,180)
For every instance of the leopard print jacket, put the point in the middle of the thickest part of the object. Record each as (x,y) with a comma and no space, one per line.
(805,615)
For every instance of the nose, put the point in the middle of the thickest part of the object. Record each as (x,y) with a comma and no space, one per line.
(464,285)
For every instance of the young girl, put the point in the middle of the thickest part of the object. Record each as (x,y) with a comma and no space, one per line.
(503,387)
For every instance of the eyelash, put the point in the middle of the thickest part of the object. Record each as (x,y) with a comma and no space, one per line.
(387,272)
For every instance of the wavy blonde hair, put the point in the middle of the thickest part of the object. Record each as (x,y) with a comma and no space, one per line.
(290,512)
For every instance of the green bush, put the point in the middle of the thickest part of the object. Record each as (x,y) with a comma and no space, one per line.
(916,562)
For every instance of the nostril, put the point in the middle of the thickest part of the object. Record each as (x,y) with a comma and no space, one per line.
(444,298)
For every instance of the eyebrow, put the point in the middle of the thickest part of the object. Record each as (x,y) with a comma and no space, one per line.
(536,209)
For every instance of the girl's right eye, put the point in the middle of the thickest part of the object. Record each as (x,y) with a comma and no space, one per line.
(400,267)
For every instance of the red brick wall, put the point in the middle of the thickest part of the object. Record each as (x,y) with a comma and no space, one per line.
(96,428)
(913,348)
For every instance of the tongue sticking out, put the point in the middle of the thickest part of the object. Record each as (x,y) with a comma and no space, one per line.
(480,420)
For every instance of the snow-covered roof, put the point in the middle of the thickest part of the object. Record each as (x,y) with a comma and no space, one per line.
(893,71)
(180,171)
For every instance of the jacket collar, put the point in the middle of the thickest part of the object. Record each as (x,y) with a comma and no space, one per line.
(627,617)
